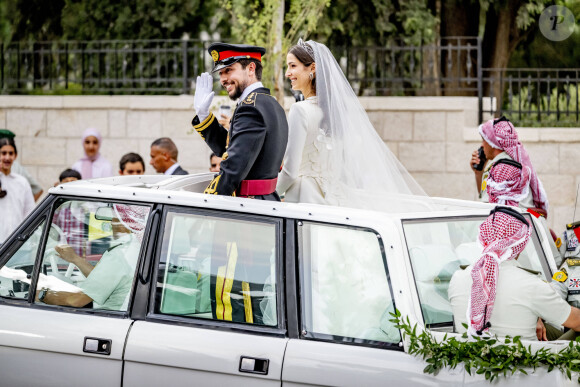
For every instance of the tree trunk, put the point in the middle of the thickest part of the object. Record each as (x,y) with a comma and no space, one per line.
(458,18)
(277,55)
(499,41)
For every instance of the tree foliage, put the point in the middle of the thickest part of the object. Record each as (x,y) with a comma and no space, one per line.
(257,21)
(376,22)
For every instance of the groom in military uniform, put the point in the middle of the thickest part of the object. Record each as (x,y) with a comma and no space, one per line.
(253,148)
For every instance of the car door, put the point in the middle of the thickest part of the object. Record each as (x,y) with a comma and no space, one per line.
(346,337)
(215,314)
(45,344)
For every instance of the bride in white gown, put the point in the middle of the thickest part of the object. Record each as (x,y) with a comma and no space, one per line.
(334,155)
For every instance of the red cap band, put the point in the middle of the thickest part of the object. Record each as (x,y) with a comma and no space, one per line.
(229,54)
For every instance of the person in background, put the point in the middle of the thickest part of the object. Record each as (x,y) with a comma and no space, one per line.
(214,162)
(16,200)
(500,141)
(93,165)
(164,157)
(131,164)
(20,170)
(67,176)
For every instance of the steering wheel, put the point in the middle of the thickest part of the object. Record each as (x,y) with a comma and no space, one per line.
(53,257)
(56,234)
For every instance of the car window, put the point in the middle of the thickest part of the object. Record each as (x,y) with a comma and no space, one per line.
(16,274)
(439,247)
(218,268)
(91,253)
(344,281)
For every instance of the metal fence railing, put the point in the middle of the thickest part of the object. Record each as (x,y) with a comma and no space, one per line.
(450,66)
(113,67)
(447,67)
(534,96)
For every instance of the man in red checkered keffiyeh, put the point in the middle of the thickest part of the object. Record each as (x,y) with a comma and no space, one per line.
(501,134)
(134,218)
(503,236)
(508,182)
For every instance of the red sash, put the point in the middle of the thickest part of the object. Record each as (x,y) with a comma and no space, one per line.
(257,187)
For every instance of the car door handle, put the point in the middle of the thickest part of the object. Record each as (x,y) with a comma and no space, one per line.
(98,346)
(254,365)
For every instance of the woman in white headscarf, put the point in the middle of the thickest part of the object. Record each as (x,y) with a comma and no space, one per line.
(334,155)
(93,165)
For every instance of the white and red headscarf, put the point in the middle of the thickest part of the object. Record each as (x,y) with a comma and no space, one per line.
(133,217)
(86,161)
(508,183)
(503,237)
(501,134)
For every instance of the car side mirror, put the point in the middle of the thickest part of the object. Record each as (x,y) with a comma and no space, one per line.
(104,213)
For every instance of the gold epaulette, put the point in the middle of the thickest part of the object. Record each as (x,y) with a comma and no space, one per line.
(250,99)
(204,124)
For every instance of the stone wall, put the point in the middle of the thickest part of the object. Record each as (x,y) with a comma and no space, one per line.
(432,136)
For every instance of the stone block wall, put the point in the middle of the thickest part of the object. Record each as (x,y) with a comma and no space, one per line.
(432,136)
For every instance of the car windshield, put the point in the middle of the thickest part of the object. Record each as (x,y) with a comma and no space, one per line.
(439,247)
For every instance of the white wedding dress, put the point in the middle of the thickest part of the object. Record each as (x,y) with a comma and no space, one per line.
(305,176)
(334,155)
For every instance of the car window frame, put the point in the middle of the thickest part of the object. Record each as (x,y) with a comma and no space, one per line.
(16,239)
(535,238)
(322,337)
(279,331)
(49,214)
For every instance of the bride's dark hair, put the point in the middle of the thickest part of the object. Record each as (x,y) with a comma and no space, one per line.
(305,57)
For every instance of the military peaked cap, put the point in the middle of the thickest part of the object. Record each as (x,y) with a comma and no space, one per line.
(224,54)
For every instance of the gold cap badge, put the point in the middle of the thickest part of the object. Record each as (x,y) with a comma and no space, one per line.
(215,56)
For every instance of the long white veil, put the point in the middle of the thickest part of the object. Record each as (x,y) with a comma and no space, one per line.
(358,157)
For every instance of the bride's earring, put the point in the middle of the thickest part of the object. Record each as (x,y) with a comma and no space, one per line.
(311,76)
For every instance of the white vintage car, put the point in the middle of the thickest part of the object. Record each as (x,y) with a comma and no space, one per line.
(231,291)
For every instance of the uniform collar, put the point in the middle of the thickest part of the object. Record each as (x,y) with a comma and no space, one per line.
(249,89)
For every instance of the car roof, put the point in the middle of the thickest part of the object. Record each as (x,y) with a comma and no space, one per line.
(187,190)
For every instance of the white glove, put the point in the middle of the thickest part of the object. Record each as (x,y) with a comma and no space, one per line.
(203,95)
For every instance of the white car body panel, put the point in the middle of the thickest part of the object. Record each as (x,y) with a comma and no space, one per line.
(45,348)
(324,364)
(180,355)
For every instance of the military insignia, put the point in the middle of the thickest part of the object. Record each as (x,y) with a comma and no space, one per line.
(212,187)
(560,276)
(572,243)
(558,243)
(483,185)
(573,262)
(574,284)
(250,99)
(215,56)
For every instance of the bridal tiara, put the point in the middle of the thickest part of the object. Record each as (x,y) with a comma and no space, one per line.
(307,47)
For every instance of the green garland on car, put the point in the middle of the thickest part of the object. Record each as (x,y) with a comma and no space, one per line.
(488,356)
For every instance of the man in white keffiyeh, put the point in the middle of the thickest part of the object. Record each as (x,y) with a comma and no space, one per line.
(496,295)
